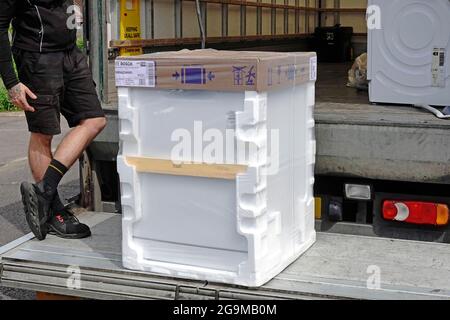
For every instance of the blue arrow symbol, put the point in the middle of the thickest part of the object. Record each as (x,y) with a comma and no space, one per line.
(176,75)
(211,76)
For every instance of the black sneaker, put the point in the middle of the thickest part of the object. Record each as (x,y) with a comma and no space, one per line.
(37,209)
(64,224)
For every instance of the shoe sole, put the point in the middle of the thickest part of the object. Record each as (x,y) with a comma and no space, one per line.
(31,207)
(55,232)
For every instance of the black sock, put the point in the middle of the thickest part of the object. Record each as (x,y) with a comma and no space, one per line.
(57,204)
(55,172)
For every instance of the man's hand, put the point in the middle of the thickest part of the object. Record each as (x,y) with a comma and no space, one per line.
(18,96)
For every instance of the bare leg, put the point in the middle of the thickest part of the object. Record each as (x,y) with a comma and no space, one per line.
(39,154)
(43,208)
(78,140)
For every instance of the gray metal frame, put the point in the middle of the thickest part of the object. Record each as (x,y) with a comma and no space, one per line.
(178,11)
(379,142)
(98,11)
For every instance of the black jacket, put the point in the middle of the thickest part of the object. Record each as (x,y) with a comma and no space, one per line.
(38,26)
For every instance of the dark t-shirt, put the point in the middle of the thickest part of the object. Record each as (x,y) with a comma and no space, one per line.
(39,26)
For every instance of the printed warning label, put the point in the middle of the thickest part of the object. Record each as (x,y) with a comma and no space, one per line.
(438,67)
(134,73)
(313,69)
(231,120)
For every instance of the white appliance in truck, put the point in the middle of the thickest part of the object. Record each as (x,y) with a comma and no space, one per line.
(408,47)
(217,163)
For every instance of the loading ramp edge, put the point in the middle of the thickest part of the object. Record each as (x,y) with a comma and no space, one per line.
(102,282)
(96,285)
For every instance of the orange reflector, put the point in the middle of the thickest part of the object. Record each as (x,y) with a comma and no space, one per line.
(442,215)
(318,208)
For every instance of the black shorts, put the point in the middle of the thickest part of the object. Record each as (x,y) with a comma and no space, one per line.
(63,83)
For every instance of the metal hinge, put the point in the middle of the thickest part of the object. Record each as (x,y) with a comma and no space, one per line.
(179,288)
(177,293)
(1,272)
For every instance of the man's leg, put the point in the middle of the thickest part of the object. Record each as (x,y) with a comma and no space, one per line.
(70,149)
(62,221)
(39,154)
(77,140)
(39,157)
(44,209)
(50,170)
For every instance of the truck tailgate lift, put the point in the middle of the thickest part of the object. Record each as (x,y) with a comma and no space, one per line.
(337,266)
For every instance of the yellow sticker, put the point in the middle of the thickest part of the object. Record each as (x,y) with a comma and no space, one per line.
(130,25)
(318,208)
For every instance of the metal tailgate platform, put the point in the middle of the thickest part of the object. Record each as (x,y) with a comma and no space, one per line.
(336,267)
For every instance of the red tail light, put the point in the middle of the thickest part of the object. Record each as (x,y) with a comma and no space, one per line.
(414,212)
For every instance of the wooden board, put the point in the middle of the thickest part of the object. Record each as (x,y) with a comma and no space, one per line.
(160,166)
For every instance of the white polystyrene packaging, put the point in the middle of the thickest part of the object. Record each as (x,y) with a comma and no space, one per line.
(408,52)
(244,229)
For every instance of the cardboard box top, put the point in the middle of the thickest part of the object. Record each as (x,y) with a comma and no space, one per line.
(217,70)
